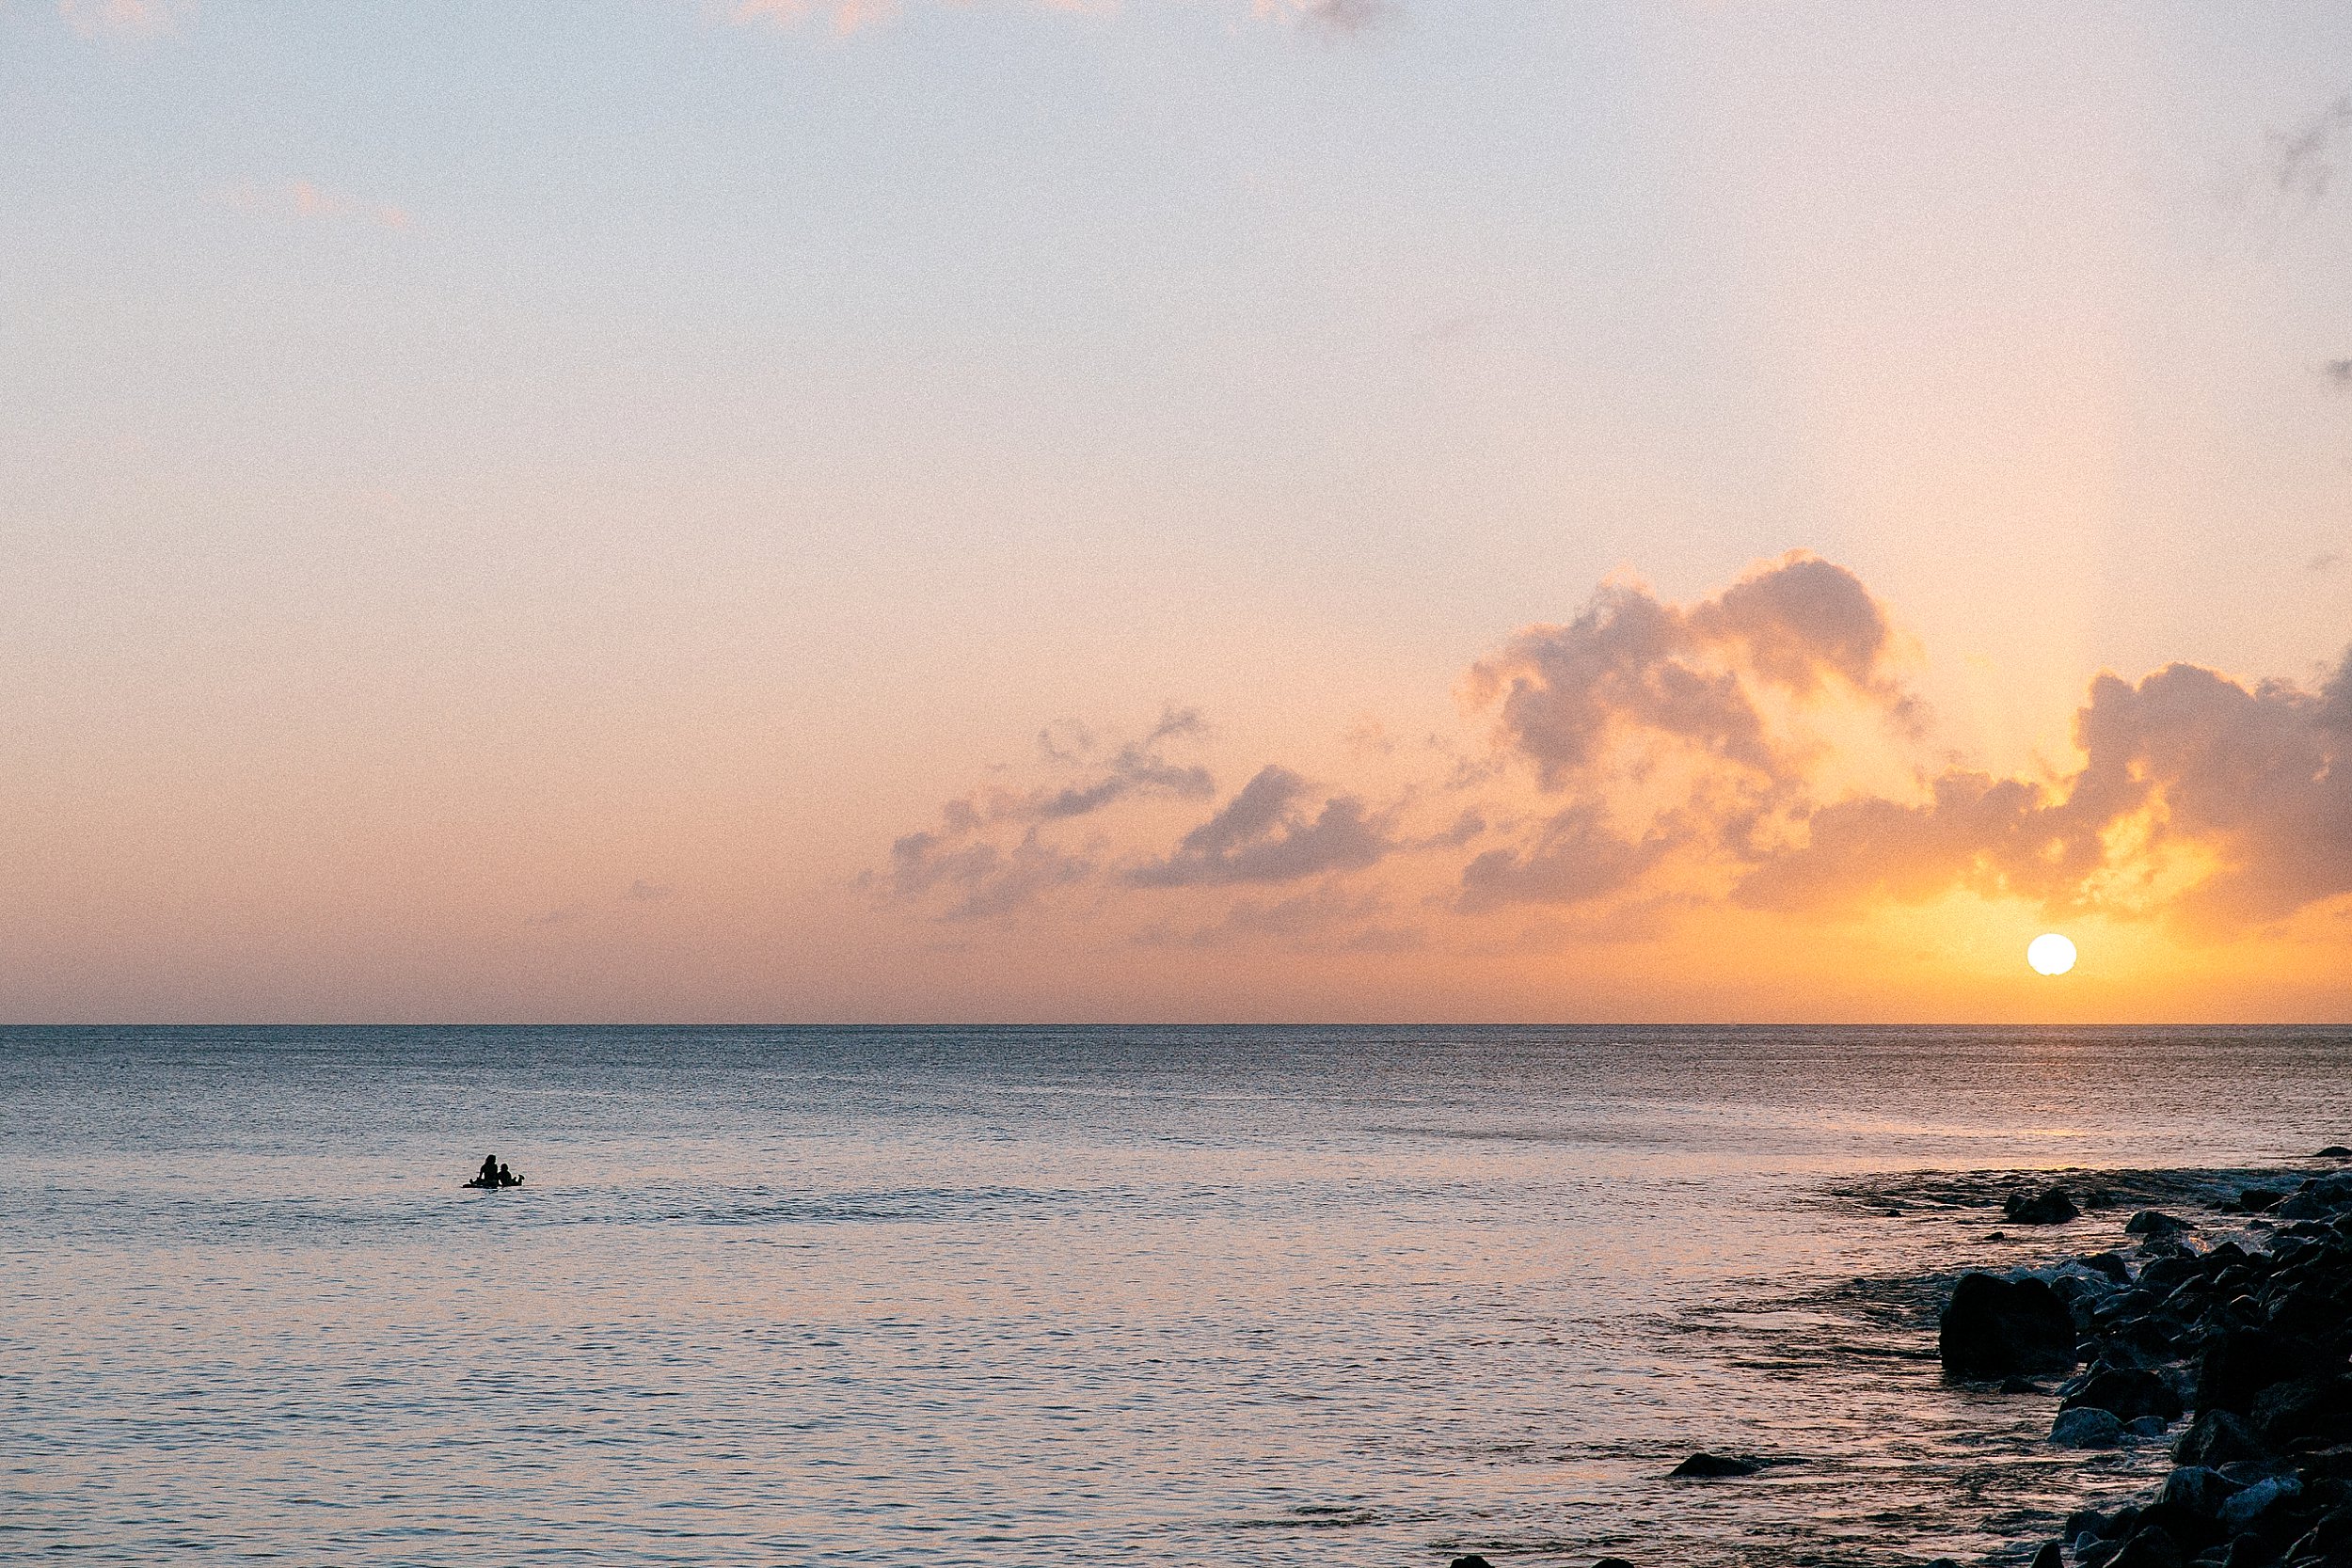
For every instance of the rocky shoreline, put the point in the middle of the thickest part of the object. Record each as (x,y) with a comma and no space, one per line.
(2227,1336)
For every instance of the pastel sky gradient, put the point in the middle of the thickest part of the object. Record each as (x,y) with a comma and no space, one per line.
(1174,509)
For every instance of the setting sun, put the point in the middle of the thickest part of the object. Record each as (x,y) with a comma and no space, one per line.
(2050,954)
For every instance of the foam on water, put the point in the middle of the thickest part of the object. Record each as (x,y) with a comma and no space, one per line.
(1047,1296)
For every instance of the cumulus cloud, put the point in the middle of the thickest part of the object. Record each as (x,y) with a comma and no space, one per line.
(1267,834)
(2223,805)
(1759,748)
(1633,666)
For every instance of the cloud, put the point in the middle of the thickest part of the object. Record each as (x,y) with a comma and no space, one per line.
(303,200)
(1575,860)
(125,19)
(2339,373)
(1631,667)
(1264,834)
(1759,747)
(982,878)
(1330,19)
(2303,161)
(2222,806)
(644,892)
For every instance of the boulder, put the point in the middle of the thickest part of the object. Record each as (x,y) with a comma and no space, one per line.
(2217,1438)
(2087,1428)
(2335,1151)
(2150,1222)
(2048,1557)
(2314,1410)
(2108,1263)
(2151,1548)
(1470,1560)
(2051,1206)
(1994,1327)
(2243,1509)
(1707,1466)
(2129,1393)
(2197,1489)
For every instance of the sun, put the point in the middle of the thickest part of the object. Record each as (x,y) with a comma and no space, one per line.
(2050,954)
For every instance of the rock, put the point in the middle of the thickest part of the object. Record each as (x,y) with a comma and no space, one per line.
(2315,1409)
(1710,1465)
(2238,1363)
(2245,1506)
(1470,1560)
(2150,1222)
(2149,1427)
(2108,1263)
(1994,1327)
(2200,1490)
(1612,1562)
(2049,1556)
(2334,1152)
(2051,1206)
(2148,1549)
(2129,1393)
(2253,1201)
(2217,1438)
(2087,1428)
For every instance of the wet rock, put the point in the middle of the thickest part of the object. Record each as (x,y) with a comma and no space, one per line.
(2149,1427)
(2150,1222)
(2335,1151)
(1470,1560)
(2129,1394)
(2051,1206)
(2200,1490)
(2048,1557)
(2249,1505)
(1612,1562)
(2253,1201)
(1994,1327)
(2087,1428)
(2239,1363)
(1704,1466)
(2108,1263)
(2314,1409)
(2217,1438)
(2151,1548)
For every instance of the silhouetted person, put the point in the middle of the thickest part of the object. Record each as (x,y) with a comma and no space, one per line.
(493,1175)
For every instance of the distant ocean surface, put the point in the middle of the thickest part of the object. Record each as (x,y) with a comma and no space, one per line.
(1044,1296)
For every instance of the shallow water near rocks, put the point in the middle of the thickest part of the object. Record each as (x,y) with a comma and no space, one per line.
(1340,1296)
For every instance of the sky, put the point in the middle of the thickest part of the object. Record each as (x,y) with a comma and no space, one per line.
(1352,510)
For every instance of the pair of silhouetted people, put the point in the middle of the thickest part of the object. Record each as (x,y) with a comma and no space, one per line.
(495,1174)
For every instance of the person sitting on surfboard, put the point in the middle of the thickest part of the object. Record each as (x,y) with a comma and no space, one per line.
(494,1174)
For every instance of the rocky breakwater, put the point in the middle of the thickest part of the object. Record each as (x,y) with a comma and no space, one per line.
(2237,1352)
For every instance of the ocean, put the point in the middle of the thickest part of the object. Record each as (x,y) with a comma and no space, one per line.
(1056,1295)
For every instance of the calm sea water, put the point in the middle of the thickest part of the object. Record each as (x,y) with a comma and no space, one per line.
(1231,1296)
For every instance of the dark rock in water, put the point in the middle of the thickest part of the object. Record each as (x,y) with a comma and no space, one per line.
(2050,1206)
(2335,1151)
(2129,1393)
(2021,1385)
(2247,1506)
(2049,1556)
(2200,1490)
(1708,1465)
(1470,1560)
(1993,1327)
(1612,1562)
(2149,1548)
(2108,1263)
(2238,1363)
(2217,1438)
(2087,1428)
(2253,1201)
(2150,1222)
(2310,1410)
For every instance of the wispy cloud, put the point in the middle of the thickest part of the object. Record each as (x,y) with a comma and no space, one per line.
(2303,160)
(303,200)
(1269,834)
(126,19)
(1330,19)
